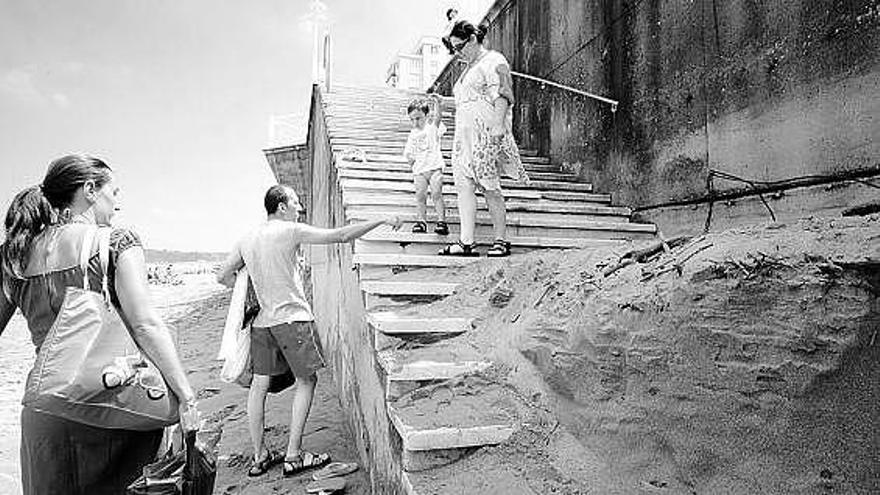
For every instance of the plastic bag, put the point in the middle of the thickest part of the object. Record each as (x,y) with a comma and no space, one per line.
(235,347)
(191,471)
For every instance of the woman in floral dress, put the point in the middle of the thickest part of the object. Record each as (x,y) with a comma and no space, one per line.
(483,147)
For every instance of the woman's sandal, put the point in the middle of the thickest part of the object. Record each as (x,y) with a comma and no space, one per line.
(327,486)
(499,249)
(441,228)
(305,460)
(420,227)
(259,468)
(459,249)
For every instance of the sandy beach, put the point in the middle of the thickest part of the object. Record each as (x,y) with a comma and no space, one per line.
(196,308)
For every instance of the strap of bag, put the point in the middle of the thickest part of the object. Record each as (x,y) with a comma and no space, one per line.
(104,256)
(85,253)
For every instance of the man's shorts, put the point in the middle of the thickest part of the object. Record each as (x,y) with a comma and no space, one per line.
(294,346)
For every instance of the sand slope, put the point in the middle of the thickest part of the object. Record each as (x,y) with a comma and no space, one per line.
(753,369)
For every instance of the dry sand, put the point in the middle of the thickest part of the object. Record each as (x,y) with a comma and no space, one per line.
(752,370)
(224,405)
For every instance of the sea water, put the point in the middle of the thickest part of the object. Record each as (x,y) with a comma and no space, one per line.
(16,358)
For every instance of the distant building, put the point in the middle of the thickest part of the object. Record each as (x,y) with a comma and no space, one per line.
(418,69)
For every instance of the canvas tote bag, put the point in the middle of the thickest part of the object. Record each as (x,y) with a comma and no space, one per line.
(89,369)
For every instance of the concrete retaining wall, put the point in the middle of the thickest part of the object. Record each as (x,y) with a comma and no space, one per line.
(339,309)
(762,90)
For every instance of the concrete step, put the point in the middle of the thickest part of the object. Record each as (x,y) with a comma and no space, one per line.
(390,323)
(406,243)
(505,183)
(380,98)
(586,231)
(398,158)
(405,203)
(542,168)
(517,214)
(407,288)
(538,172)
(380,187)
(514,203)
(389,146)
(429,363)
(514,219)
(432,422)
(336,115)
(344,89)
(380,105)
(338,126)
(411,261)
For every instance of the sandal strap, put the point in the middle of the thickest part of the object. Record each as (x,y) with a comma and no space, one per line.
(301,462)
(500,246)
(462,248)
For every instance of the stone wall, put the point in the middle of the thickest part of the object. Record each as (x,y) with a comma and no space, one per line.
(339,308)
(762,90)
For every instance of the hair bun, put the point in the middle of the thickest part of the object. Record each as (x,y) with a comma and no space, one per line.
(482,29)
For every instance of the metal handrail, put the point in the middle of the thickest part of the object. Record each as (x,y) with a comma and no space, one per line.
(609,101)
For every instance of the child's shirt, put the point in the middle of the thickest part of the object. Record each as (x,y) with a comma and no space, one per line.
(423,148)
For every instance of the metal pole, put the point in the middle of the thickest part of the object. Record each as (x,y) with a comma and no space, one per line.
(609,101)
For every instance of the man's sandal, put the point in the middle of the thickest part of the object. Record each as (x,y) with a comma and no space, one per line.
(327,486)
(420,227)
(259,468)
(459,249)
(302,462)
(334,470)
(499,249)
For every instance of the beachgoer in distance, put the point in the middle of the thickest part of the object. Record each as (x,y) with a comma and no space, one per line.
(45,230)
(483,147)
(283,336)
(422,151)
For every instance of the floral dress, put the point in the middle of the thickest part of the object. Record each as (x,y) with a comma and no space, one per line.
(474,155)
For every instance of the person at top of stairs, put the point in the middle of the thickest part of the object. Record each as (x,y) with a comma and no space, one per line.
(283,337)
(422,151)
(483,148)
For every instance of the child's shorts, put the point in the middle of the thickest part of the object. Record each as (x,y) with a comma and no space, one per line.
(428,175)
(294,346)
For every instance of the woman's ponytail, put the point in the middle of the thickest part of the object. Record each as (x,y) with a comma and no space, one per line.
(36,208)
(28,215)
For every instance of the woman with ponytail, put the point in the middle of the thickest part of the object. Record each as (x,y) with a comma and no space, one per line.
(483,148)
(46,228)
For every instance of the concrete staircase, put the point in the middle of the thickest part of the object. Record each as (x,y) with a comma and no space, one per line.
(399,271)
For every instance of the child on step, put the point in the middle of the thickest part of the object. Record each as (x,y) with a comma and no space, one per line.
(422,151)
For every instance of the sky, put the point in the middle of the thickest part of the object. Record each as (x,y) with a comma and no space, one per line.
(176,95)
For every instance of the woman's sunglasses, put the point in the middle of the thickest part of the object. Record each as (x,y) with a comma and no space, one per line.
(455,47)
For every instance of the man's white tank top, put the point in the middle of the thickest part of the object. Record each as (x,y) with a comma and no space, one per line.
(271,254)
